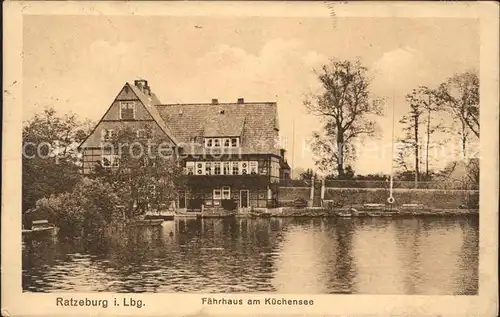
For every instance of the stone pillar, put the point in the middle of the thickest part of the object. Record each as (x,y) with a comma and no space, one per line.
(322,191)
(311,196)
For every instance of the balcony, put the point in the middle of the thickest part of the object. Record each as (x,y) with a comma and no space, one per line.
(229,180)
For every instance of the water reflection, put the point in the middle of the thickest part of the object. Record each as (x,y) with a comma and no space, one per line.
(308,255)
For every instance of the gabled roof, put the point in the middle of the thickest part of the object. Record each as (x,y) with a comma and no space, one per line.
(254,122)
(149,103)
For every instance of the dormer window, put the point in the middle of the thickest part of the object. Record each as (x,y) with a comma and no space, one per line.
(235,142)
(222,142)
(127,110)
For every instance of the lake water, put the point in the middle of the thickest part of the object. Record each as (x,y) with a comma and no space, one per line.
(284,255)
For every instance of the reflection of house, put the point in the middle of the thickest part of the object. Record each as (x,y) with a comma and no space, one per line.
(230,150)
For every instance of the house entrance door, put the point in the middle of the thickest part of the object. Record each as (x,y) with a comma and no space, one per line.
(244,198)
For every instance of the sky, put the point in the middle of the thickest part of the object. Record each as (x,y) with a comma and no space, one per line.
(79,63)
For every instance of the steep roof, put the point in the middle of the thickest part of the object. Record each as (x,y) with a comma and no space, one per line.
(149,103)
(255,123)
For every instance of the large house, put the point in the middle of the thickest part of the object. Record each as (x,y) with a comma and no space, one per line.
(230,151)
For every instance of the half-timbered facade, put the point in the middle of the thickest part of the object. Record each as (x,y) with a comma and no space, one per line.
(230,151)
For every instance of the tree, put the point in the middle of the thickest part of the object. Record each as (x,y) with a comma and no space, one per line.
(424,111)
(460,97)
(145,173)
(346,108)
(308,174)
(411,139)
(50,160)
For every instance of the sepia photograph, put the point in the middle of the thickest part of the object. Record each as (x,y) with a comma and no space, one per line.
(326,154)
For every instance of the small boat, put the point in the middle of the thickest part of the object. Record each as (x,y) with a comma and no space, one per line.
(164,215)
(345,213)
(242,215)
(147,222)
(40,228)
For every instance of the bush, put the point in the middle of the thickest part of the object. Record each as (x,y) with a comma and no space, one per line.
(87,210)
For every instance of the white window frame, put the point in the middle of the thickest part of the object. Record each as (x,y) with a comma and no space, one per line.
(152,190)
(208,165)
(226,192)
(233,165)
(190,166)
(237,142)
(251,165)
(138,132)
(226,140)
(217,165)
(217,141)
(227,165)
(124,103)
(105,136)
(244,168)
(209,142)
(219,195)
(200,168)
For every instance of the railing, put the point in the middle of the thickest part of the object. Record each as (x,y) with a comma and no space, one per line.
(445,185)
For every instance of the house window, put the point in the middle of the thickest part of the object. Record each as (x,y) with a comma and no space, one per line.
(141,133)
(107,134)
(148,162)
(234,142)
(190,168)
(226,192)
(216,142)
(226,170)
(208,142)
(152,191)
(253,167)
(217,193)
(110,160)
(217,168)
(244,168)
(200,168)
(127,110)
(208,168)
(227,142)
(235,168)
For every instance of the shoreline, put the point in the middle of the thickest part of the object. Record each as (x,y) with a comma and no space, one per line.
(325,213)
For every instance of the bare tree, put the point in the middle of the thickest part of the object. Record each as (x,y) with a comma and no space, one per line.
(346,108)
(426,99)
(460,97)
(411,139)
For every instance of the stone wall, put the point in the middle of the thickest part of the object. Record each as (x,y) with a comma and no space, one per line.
(446,199)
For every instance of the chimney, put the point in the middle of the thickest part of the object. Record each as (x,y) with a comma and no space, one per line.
(215,101)
(241,100)
(143,86)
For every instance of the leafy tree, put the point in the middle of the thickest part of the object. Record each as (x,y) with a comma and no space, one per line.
(145,172)
(346,109)
(50,160)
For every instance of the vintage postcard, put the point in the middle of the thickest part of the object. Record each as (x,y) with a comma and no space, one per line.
(250,158)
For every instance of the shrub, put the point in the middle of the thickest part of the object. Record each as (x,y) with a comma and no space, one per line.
(88,209)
